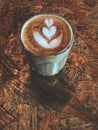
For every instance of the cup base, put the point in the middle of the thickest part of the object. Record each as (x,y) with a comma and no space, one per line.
(50,75)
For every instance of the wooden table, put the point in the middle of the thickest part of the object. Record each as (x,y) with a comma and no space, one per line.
(67,101)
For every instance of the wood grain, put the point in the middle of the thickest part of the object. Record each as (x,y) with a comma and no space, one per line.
(67,101)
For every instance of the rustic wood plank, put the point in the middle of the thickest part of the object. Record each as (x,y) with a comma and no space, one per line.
(24,116)
(48,119)
(34,118)
(68,101)
(11,126)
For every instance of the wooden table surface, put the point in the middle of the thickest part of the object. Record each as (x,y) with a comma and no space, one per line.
(67,101)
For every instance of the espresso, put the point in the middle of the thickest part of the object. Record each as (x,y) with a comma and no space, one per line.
(46,34)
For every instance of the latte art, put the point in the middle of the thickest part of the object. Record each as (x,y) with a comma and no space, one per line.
(49,32)
(41,41)
(49,22)
(46,34)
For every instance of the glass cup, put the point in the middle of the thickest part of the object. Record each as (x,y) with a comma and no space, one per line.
(48,65)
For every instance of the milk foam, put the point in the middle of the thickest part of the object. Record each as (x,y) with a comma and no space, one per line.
(46,34)
(49,22)
(49,31)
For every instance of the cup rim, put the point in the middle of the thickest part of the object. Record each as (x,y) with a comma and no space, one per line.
(52,14)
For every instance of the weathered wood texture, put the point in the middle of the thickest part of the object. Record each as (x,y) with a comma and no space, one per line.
(68,101)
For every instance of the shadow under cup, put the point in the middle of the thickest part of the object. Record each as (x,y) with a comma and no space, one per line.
(52,64)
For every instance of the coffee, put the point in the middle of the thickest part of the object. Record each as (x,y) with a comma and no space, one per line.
(46,34)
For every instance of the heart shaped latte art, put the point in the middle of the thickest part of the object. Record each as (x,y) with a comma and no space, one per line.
(49,22)
(49,32)
(42,42)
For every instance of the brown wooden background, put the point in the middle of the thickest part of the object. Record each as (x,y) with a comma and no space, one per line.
(68,101)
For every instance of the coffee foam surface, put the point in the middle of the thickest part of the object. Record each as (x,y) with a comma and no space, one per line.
(45,35)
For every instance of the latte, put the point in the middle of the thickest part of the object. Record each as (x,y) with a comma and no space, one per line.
(46,34)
